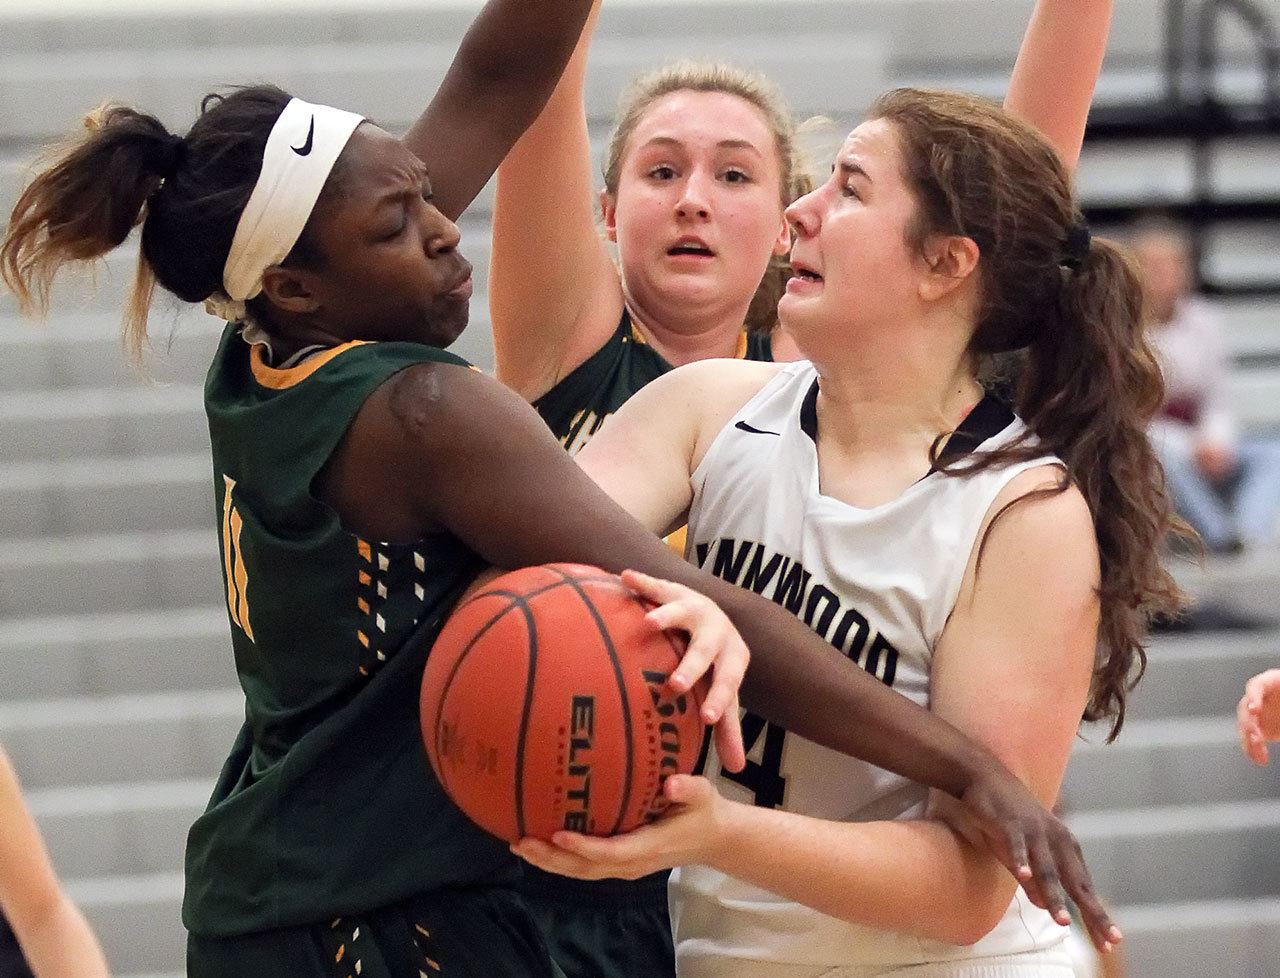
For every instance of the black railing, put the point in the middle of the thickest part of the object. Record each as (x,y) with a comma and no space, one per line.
(1191,110)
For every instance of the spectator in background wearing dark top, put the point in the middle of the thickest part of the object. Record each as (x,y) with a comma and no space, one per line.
(1226,486)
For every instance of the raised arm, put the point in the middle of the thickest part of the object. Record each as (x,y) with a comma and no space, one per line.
(503,74)
(52,933)
(554,292)
(1057,70)
(470,456)
(1011,670)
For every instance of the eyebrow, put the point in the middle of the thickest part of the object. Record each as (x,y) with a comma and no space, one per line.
(851,169)
(722,144)
(391,196)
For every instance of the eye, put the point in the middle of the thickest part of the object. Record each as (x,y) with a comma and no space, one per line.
(734,175)
(662,172)
(848,190)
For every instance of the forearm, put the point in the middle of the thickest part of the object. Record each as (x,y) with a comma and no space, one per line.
(548,260)
(917,877)
(516,45)
(58,943)
(1057,70)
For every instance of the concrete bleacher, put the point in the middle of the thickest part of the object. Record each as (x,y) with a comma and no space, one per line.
(117,694)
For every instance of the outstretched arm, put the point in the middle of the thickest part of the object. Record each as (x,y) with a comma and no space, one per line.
(468,455)
(1012,670)
(503,74)
(52,933)
(554,293)
(1057,70)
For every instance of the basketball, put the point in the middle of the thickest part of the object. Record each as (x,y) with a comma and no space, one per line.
(545,706)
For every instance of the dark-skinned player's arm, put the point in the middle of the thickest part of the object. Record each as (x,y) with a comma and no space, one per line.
(505,70)
(443,446)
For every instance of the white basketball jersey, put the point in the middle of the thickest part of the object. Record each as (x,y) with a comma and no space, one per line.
(879,585)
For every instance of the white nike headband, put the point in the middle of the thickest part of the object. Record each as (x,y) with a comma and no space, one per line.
(303,147)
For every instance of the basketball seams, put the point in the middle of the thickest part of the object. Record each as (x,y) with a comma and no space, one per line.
(522,737)
(514,601)
(623,693)
(480,635)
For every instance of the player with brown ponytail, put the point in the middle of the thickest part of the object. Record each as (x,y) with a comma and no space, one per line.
(957,492)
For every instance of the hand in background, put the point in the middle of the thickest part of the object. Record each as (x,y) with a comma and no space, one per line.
(1258,715)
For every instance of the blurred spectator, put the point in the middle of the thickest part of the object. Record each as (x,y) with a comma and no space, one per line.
(1226,486)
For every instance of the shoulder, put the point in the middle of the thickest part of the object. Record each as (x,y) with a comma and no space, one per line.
(709,393)
(1043,529)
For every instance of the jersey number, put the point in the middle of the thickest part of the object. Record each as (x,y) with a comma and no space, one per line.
(762,778)
(233,562)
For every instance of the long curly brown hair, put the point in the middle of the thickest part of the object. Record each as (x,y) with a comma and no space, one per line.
(1061,320)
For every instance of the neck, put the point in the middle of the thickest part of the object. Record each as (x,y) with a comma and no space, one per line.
(684,336)
(294,334)
(895,392)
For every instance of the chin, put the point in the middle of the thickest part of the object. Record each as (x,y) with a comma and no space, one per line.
(442,330)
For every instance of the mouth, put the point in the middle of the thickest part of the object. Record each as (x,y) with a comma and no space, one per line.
(462,286)
(803,274)
(690,247)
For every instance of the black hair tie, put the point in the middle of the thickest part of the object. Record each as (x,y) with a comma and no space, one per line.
(1076,249)
(169,153)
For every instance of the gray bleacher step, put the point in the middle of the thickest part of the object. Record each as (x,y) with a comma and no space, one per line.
(116,654)
(84,350)
(114,739)
(105,289)
(1177,761)
(121,829)
(138,920)
(1201,674)
(52,424)
(1183,853)
(112,573)
(141,494)
(1249,581)
(1218,938)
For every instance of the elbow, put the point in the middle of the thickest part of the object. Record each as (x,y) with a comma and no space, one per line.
(969,923)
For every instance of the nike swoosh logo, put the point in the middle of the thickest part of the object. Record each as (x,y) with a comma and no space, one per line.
(743,426)
(305,148)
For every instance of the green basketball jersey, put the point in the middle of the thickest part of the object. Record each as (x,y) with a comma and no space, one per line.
(327,805)
(579,404)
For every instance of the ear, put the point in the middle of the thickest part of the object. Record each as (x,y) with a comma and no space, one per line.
(289,289)
(609,214)
(782,243)
(949,262)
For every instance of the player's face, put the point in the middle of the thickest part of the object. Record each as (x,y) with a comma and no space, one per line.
(698,210)
(853,265)
(390,269)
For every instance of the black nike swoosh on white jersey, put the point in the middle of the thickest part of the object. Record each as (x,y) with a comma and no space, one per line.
(743,426)
(305,148)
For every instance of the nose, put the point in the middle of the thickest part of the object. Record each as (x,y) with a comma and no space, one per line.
(803,215)
(442,235)
(694,200)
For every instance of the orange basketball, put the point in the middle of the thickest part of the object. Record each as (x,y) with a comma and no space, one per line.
(545,706)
